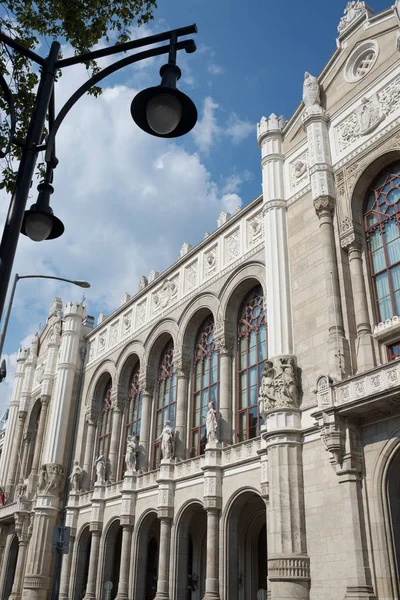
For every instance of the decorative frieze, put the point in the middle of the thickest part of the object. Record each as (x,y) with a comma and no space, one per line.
(255,229)
(279,387)
(232,246)
(51,479)
(141,314)
(114,333)
(211,261)
(191,275)
(166,294)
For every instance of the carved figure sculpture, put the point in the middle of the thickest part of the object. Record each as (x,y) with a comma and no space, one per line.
(76,476)
(132,451)
(211,423)
(167,438)
(20,491)
(352,11)
(100,468)
(279,385)
(42,482)
(55,479)
(310,90)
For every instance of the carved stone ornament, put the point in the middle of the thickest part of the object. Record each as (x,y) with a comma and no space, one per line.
(299,168)
(279,388)
(40,372)
(311,92)
(165,294)
(352,12)
(126,321)
(323,205)
(143,282)
(224,343)
(333,435)
(51,479)
(131,453)
(76,477)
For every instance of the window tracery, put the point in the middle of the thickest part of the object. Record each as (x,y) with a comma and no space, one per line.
(205,384)
(165,399)
(252,352)
(382,228)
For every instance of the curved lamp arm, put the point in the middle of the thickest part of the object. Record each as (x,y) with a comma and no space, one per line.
(83,284)
(11,107)
(187,45)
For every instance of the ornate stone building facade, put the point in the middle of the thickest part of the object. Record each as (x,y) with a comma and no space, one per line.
(232,431)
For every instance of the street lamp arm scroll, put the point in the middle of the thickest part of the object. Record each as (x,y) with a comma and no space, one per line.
(11,107)
(188,45)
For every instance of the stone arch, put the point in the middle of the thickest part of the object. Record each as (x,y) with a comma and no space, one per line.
(189,541)
(111,556)
(244,532)
(237,286)
(360,184)
(30,435)
(82,558)
(12,558)
(145,555)
(157,339)
(195,313)
(127,360)
(97,383)
(381,531)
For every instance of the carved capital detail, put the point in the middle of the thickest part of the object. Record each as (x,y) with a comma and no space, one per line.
(342,441)
(224,343)
(323,205)
(118,398)
(289,568)
(279,387)
(183,363)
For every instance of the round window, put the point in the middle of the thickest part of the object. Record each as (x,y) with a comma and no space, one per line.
(361,61)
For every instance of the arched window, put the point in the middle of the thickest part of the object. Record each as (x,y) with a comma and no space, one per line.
(133,411)
(165,399)
(104,425)
(32,433)
(205,384)
(252,352)
(382,228)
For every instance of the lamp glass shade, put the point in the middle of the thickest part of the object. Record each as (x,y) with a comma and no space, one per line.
(38,225)
(163,112)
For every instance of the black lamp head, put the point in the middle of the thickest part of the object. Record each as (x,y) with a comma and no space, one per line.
(39,221)
(163,110)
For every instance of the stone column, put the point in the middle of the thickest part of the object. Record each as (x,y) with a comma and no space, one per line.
(128,504)
(51,478)
(72,511)
(165,513)
(315,122)
(351,241)
(22,528)
(212,504)
(6,455)
(40,435)
(182,370)
(146,382)
(118,403)
(88,461)
(288,563)
(224,343)
(24,454)
(96,526)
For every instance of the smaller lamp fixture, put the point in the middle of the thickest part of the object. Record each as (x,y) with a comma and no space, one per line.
(163,110)
(39,221)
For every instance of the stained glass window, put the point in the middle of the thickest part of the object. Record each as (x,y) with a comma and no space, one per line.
(133,411)
(165,399)
(381,221)
(205,384)
(252,352)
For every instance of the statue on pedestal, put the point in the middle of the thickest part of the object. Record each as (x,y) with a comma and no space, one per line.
(100,469)
(310,90)
(132,451)
(167,438)
(211,423)
(76,476)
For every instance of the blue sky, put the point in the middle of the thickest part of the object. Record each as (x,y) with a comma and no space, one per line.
(129,201)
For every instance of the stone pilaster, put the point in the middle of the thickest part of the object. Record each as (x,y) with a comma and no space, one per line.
(351,241)
(280,335)
(342,441)
(23,530)
(6,455)
(212,504)
(96,526)
(40,434)
(71,518)
(165,513)
(118,399)
(224,342)
(315,122)
(146,381)
(91,420)
(128,504)
(182,364)
(288,563)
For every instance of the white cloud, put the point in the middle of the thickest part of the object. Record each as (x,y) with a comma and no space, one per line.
(231,202)
(215,69)
(207,131)
(239,130)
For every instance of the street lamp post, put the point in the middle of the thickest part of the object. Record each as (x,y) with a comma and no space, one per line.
(82,284)
(162,111)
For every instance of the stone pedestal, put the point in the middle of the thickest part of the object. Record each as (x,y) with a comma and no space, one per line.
(127,520)
(96,526)
(165,513)
(22,528)
(146,383)
(212,504)
(71,522)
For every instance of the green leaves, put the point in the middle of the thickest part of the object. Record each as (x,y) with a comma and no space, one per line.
(80,23)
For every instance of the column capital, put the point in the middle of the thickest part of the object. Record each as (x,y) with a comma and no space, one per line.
(351,241)
(275,203)
(324,205)
(51,480)
(314,113)
(147,381)
(224,343)
(92,413)
(182,362)
(44,399)
(279,387)
(119,397)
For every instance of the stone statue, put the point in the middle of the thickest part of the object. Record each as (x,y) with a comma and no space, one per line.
(310,90)
(20,491)
(132,451)
(279,385)
(76,476)
(167,438)
(100,469)
(42,482)
(55,479)
(352,11)
(211,423)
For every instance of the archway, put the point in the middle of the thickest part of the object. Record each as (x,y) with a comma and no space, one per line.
(147,548)
(11,567)
(82,564)
(246,559)
(112,558)
(191,553)
(393,493)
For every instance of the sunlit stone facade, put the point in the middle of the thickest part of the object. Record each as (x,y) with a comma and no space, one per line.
(285,321)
